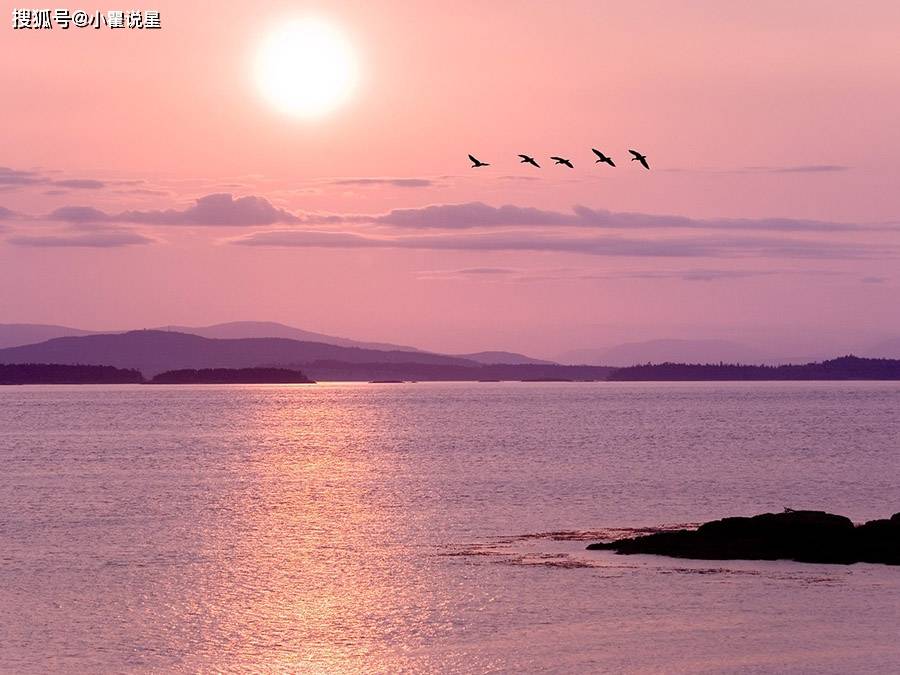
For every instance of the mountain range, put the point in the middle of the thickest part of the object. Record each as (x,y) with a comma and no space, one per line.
(623,355)
(19,334)
(155,351)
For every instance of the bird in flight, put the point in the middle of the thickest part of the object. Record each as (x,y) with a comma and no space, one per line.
(529,160)
(639,157)
(560,160)
(477,163)
(603,158)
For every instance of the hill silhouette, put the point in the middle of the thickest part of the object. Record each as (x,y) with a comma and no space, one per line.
(19,334)
(508,358)
(271,329)
(153,352)
(16,334)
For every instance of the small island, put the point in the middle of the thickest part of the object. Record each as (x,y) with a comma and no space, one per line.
(232,376)
(802,536)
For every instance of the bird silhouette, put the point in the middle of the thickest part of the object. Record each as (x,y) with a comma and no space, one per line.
(639,157)
(529,160)
(603,158)
(477,162)
(560,160)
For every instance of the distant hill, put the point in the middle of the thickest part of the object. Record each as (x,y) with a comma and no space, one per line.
(844,368)
(152,352)
(15,334)
(661,351)
(503,357)
(271,329)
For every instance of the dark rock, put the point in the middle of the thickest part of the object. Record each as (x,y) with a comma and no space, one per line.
(804,536)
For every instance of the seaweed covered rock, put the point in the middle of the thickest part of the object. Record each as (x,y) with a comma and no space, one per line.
(804,536)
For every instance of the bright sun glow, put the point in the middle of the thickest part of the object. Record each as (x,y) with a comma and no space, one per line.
(306,68)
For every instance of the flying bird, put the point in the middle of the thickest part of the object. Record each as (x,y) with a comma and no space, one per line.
(477,162)
(529,160)
(603,158)
(560,160)
(639,157)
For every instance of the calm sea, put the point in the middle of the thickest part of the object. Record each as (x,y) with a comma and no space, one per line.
(434,527)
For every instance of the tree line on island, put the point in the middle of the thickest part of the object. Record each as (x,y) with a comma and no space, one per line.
(843,368)
(53,373)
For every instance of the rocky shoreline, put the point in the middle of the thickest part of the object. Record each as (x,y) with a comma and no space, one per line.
(802,536)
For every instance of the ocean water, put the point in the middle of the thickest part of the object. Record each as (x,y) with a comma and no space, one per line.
(434,527)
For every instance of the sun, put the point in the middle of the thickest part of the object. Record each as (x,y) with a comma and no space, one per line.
(306,67)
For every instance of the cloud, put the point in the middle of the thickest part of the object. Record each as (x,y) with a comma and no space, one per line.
(804,168)
(710,274)
(143,191)
(472,214)
(697,246)
(10,176)
(476,226)
(485,270)
(312,239)
(80,183)
(469,273)
(14,177)
(6,214)
(714,275)
(873,280)
(107,239)
(480,215)
(214,209)
(222,209)
(687,275)
(801,168)
(78,214)
(393,182)
(504,274)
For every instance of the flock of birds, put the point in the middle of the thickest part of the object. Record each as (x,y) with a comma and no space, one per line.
(526,159)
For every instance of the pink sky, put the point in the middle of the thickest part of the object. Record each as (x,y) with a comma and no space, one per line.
(771,128)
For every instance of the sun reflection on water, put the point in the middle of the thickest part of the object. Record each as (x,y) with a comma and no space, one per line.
(290,566)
